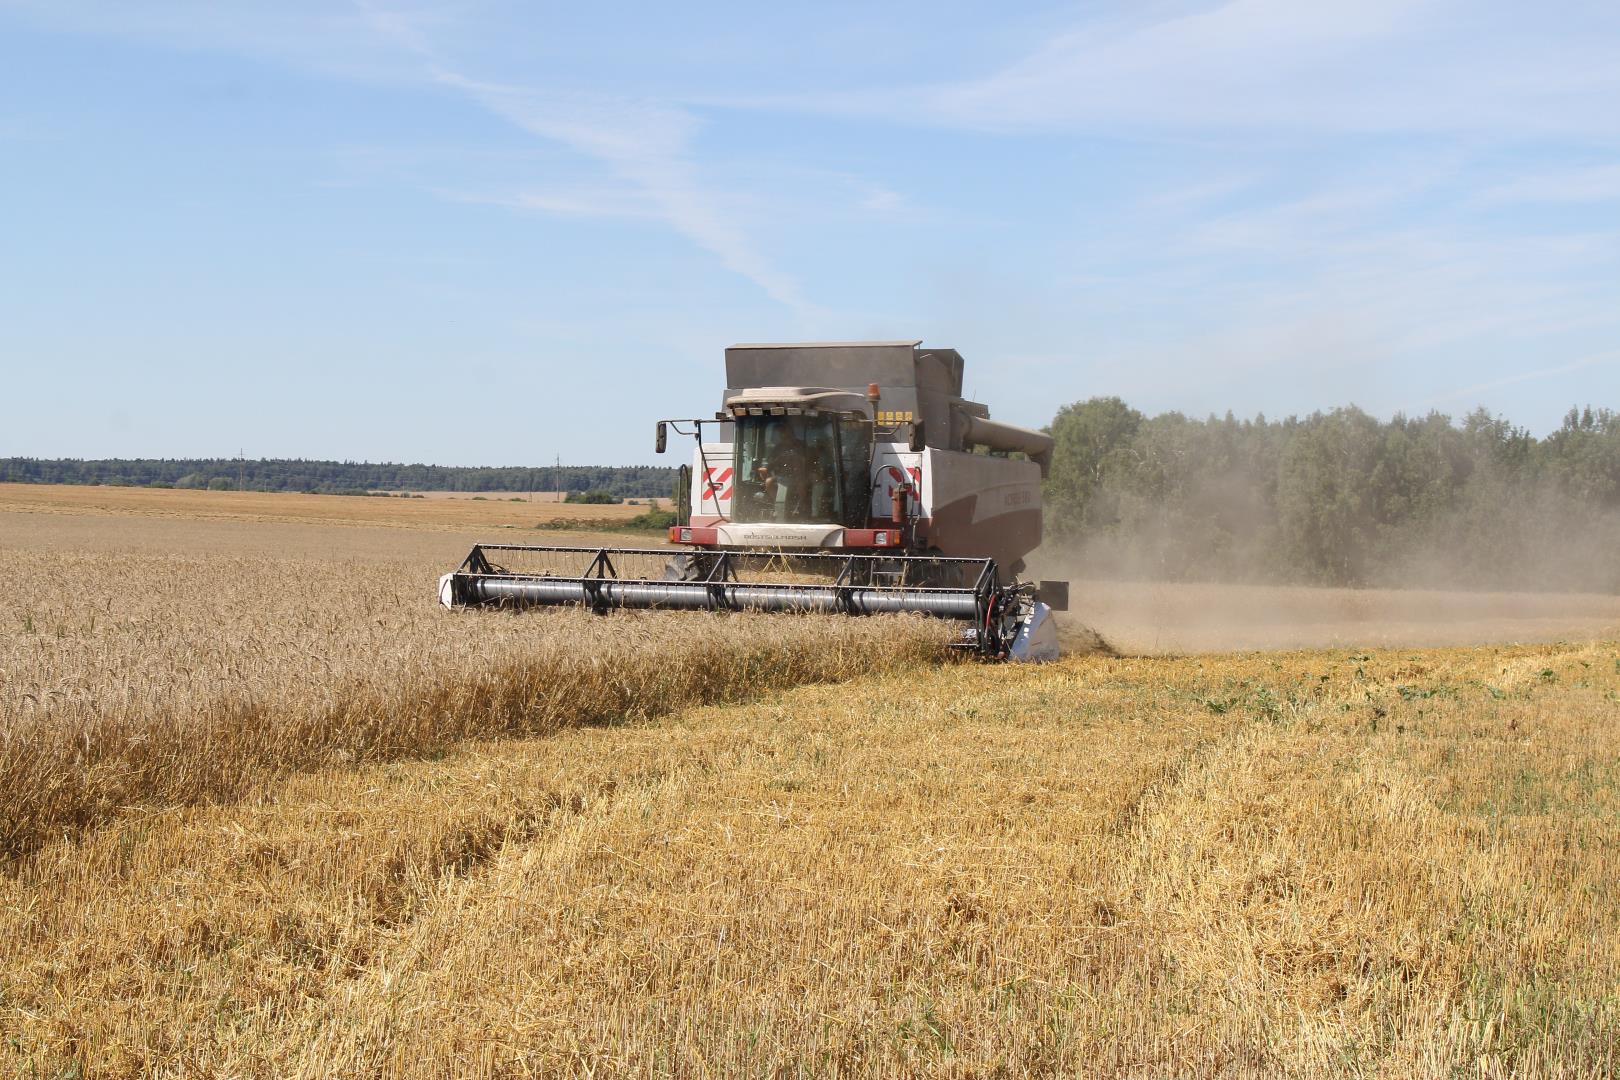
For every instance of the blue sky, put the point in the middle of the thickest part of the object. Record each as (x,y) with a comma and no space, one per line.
(488,233)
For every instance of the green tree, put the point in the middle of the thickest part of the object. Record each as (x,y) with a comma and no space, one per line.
(1326,499)
(1092,439)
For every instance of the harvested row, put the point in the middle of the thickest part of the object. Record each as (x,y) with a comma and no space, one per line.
(1294,865)
(138,680)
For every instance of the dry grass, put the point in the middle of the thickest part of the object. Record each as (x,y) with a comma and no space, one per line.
(1302,864)
(1309,864)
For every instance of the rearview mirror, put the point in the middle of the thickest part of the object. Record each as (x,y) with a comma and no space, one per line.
(663,436)
(919,437)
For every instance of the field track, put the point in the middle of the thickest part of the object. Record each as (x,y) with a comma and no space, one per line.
(1151,618)
(1347,861)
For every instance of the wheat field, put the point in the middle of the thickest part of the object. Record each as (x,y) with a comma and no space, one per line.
(149,680)
(259,827)
(436,510)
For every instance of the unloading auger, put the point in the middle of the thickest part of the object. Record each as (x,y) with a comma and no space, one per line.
(1000,622)
(846,478)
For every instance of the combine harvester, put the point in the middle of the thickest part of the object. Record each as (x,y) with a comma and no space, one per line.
(838,478)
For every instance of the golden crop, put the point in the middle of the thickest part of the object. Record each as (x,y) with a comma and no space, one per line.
(438,510)
(145,680)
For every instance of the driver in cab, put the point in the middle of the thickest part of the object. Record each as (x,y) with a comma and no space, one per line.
(786,470)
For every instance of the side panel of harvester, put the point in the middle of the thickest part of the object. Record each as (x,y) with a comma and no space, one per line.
(978,503)
(713,483)
(894,466)
(963,502)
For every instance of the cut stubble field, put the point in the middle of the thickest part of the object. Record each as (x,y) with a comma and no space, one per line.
(269,812)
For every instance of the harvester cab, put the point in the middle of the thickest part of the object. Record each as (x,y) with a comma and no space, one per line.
(860,447)
(839,477)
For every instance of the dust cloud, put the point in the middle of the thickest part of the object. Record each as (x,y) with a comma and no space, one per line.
(1147,617)
(1221,570)
(1534,571)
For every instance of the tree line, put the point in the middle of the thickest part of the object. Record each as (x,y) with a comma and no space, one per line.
(1339,498)
(338,477)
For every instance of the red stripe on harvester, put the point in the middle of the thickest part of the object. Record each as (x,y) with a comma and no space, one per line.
(713,479)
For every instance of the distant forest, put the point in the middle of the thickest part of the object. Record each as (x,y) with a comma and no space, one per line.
(1339,498)
(337,477)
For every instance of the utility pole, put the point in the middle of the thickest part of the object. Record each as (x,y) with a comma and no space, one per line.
(241,469)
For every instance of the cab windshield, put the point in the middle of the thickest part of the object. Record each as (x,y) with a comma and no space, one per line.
(802,470)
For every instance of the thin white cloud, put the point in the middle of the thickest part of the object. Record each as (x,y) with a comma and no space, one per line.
(576,202)
(645,143)
(1581,185)
(1197,62)
(1473,392)
(335,39)
(642,141)
(1294,225)
(648,144)
(1284,69)
(1357,292)
(1187,197)
(882,200)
